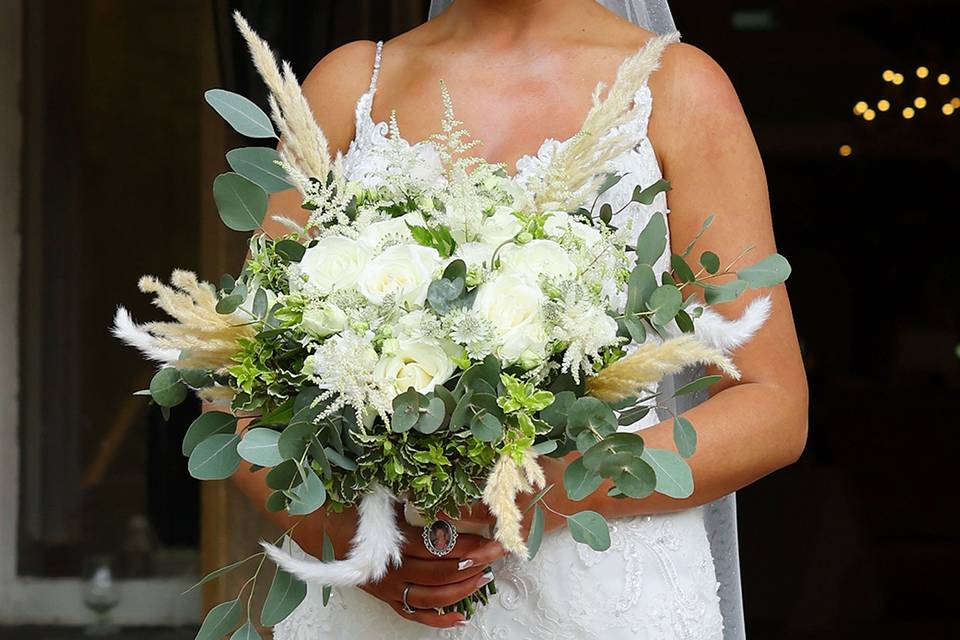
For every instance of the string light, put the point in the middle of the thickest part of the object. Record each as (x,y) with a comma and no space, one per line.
(920,102)
(922,72)
(869,115)
(955,103)
(909,113)
(883,105)
(846,150)
(888,75)
(948,109)
(860,108)
(943,79)
(897,78)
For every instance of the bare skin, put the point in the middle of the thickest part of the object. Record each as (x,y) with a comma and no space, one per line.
(521,71)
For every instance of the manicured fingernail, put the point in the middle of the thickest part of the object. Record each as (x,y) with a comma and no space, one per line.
(463,623)
(486,579)
(465,564)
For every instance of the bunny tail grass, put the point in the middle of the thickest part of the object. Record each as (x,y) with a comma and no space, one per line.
(715,330)
(375,547)
(136,336)
(506,480)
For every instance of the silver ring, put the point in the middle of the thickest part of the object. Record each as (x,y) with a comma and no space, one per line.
(439,537)
(406,605)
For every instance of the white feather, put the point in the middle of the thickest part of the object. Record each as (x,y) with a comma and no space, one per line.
(717,331)
(375,547)
(127,330)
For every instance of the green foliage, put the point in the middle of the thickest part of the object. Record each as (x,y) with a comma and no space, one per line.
(285,594)
(208,424)
(769,272)
(246,632)
(259,446)
(244,116)
(167,388)
(215,458)
(674,478)
(220,621)
(578,481)
(260,166)
(241,203)
(589,528)
(535,538)
(652,240)
(684,436)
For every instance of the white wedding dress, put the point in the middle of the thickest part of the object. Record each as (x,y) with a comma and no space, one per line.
(656,582)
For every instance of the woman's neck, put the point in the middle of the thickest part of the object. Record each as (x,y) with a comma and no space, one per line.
(509,20)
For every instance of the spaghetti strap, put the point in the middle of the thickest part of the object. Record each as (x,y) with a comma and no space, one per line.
(376,68)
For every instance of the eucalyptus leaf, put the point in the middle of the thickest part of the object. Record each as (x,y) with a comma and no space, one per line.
(327,555)
(632,416)
(636,478)
(340,460)
(544,448)
(682,269)
(259,166)
(406,411)
(640,286)
(555,414)
(717,293)
(284,476)
(609,182)
(684,436)
(259,446)
(208,424)
(684,322)
(697,385)
(536,532)
(196,378)
(215,458)
(246,632)
(243,115)
(578,481)
(652,240)
(308,496)
(294,439)
(606,213)
(710,261)
(167,388)
(665,302)
(589,414)
(432,417)
(636,328)
(703,229)
(285,594)
(648,195)
(228,304)
(276,502)
(486,427)
(242,204)
(674,477)
(623,442)
(260,303)
(291,250)
(769,272)
(589,528)
(220,621)
(216,573)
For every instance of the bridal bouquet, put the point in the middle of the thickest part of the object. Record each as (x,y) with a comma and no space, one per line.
(433,329)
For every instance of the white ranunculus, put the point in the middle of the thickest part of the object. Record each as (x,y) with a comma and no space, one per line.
(324,320)
(536,258)
(500,227)
(377,232)
(334,263)
(474,254)
(418,364)
(403,270)
(513,305)
(559,223)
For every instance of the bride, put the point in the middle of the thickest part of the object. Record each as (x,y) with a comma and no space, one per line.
(521,74)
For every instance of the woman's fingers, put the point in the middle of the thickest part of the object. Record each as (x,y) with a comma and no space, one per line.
(437,572)
(424,597)
(485,553)
(431,618)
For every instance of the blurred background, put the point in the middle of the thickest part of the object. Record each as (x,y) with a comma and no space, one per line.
(107,153)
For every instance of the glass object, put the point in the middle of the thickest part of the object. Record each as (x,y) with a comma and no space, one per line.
(100,593)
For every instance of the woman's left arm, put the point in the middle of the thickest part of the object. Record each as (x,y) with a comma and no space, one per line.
(758,424)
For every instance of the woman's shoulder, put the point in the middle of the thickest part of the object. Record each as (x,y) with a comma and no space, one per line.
(335,84)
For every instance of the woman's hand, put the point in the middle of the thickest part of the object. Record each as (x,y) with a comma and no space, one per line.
(436,582)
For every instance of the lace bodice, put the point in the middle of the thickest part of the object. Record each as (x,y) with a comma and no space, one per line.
(657,580)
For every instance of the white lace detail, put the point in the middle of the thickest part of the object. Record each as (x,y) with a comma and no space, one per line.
(656,582)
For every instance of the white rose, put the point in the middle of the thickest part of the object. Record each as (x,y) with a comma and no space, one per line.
(474,254)
(500,227)
(421,365)
(397,227)
(403,270)
(559,223)
(513,305)
(536,258)
(334,263)
(323,321)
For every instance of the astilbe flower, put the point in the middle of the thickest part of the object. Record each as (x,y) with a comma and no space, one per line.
(343,367)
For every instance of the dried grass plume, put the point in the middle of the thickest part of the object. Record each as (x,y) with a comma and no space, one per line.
(506,480)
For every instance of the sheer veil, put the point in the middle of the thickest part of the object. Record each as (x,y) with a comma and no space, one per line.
(720,516)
